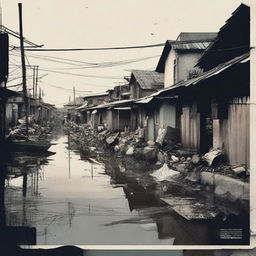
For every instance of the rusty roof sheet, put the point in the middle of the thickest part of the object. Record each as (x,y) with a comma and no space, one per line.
(149,80)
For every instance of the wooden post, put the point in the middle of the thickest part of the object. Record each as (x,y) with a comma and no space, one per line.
(23,64)
(74,91)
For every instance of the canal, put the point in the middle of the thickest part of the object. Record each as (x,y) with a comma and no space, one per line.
(83,198)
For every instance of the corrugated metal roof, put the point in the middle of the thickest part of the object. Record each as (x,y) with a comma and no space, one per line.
(113,104)
(144,100)
(199,44)
(96,95)
(229,44)
(83,106)
(215,71)
(149,80)
(191,46)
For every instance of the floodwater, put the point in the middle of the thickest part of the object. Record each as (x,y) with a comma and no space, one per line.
(72,197)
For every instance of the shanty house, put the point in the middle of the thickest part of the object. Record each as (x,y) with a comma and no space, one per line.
(114,116)
(144,82)
(89,101)
(71,109)
(175,64)
(181,55)
(214,105)
(230,111)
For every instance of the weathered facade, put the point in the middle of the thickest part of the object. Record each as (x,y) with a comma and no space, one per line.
(180,56)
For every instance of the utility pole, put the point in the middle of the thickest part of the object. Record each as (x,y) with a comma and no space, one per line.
(34,74)
(36,81)
(74,91)
(23,64)
(33,81)
(40,105)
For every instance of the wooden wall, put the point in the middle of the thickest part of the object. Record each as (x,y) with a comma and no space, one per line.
(190,128)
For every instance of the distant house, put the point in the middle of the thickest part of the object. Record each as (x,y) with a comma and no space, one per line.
(47,112)
(181,55)
(71,109)
(114,116)
(121,92)
(89,101)
(96,99)
(144,82)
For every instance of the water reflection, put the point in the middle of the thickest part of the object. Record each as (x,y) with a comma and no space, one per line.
(10,232)
(83,197)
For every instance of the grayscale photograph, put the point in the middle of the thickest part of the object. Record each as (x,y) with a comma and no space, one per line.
(125,122)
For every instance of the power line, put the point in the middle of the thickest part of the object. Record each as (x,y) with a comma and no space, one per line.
(82,75)
(113,64)
(95,49)
(65,89)
(94,65)
(17,35)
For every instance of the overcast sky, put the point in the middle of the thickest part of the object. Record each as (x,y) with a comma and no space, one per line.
(102,23)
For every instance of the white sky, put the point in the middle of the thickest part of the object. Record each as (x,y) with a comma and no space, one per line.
(104,23)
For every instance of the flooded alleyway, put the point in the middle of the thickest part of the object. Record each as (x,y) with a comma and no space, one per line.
(72,197)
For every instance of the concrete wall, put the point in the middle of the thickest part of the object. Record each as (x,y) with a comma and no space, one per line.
(226,187)
(167,115)
(168,73)
(186,62)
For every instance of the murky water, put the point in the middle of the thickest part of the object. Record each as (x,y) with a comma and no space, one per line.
(73,198)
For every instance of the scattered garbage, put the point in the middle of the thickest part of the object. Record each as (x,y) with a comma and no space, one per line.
(174,158)
(112,138)
(195,159)
(164,173)
(239,170)
(130,151)
(150,153)
(212,156)
(160,135)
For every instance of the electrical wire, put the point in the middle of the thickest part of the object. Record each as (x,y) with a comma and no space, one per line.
(64,89)
(95,49)
(82,75)
(93,65)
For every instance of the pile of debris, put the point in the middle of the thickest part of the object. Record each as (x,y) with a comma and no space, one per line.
(165,151)
(35,131)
